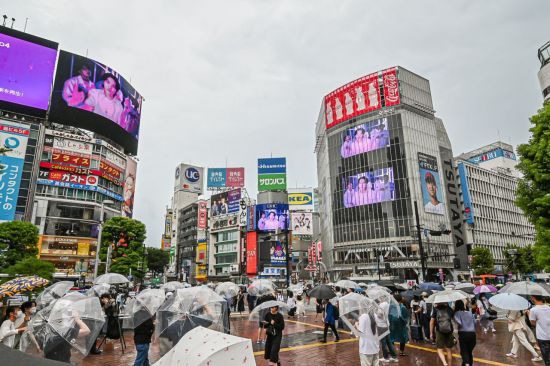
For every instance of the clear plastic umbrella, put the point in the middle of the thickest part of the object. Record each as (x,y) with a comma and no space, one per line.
(466,287)
(526,288)
(172,286)
(352,306)
(385,300)
(98,290)
(111,279)
(447,296)
(145,305)
(509,301)
(346,284)
(261,287)
(261,310)
(186,309)
(227,289)
(297,288)
(72,322)
(53,292)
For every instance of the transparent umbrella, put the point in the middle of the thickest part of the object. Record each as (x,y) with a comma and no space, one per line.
(172,286)
(98,290)
(261,287)
(526,288)
(72,322)
(227,289)
(446,296)
(346,284)
(385,300)
(111,279)
(352,306)
(261,310)
(146,305)
(297,288)
(53,292)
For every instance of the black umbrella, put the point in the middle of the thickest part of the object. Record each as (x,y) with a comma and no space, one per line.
(392,286)
(409,294)
(322,292)
(12,357)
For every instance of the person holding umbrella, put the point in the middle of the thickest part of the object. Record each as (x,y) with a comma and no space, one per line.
(486,314)
(275,323)
(331,314)
(399,330)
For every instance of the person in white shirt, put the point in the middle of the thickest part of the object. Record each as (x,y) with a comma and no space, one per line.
(434,206)
(349,196)
(75,89)
(8,329)
(368,340)
(515,327)
(291,303)
(539,315)
(104,101)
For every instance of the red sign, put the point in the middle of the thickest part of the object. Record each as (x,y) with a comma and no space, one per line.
(72,178)
(234,177)
(58,157)
(353,99)
(251,253)
(66,168)
(203,215)
(391,87)
(110,170)
(15,129)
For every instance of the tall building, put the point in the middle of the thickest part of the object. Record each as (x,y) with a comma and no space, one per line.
(488,182)
(381,151)
(544,72)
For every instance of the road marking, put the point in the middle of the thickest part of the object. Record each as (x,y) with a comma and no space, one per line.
(319,344)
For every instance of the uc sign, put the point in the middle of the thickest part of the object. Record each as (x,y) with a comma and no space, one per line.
(192,175)
(300,198)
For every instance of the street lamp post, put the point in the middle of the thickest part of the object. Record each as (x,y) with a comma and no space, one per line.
(514,254)
(98,246)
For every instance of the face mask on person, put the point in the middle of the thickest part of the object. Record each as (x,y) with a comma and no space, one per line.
(33,310)
(19,314)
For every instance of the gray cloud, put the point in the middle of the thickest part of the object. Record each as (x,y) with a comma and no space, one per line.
(239,80)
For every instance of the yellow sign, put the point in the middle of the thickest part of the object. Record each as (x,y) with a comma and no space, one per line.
(300,199)
(83,249)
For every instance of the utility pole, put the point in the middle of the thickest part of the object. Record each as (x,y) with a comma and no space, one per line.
(422,263)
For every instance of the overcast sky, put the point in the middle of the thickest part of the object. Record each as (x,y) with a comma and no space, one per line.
(231,81)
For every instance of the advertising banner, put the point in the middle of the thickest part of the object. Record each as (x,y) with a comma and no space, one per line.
(216,178)
(278,255)
(302,223)
(272,165)
(468,209)
(365,137)
(251,253)
(203,215)
(431,184)
(55,183)
(129,187)
(353,99)
(242,212)
(13,137)
(272,217)
(300,199)
(369,188)
(225,203)
(93,96)
(391,87)
(80,147)
(272,182)
(251,218)
(65,168)
(234,177)
(201,252)
(189,178)
(26,71)
(67,177)
(493,154)
(62,158)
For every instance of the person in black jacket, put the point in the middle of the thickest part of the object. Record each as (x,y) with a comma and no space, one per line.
(275,324)
(142,340)
(261,325)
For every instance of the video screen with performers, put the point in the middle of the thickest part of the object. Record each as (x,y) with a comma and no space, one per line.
(369,188)
(93,96)
(365,137)
(272,217)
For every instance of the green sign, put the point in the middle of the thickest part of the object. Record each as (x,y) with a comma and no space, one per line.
(272,182)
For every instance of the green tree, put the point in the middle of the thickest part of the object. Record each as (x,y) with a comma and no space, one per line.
(157,259)
(482,261)
(32,266)
(18,240)
(527,261)
(127,237)
(533,193)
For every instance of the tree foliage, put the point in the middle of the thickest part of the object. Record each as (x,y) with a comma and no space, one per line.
(32,266)
(533,193)
(482,261)
(524,262)
(18,241)
(127,237)
(157,259)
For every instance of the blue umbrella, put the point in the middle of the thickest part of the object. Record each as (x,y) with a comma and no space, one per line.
(431,286)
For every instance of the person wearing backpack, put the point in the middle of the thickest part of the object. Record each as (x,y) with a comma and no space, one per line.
(441,327)
(331,315)
(466,332)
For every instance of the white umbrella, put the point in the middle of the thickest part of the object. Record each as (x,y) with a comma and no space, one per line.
(346,284)
(261,310)
(509,301)
(172,286)
(465,286)
(227,289)
(206,347)
(111,279)
(526,288)
(363,284)
(261,287)
(446,296)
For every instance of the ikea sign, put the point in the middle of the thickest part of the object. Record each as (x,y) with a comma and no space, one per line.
(300,199)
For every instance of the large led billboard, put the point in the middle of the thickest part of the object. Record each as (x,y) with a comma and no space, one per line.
(225,203)
(93,96)
(272,217)
(27,65)
(369,187)
(365,137)
(431,184)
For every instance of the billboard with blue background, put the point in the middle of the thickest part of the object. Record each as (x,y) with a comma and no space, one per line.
(216,178)
(468,209)
(272,166)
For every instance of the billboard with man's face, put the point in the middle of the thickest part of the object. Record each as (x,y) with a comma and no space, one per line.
(129,187)
(432,195)
(272,217)
(225,203)
(369,188)
(91,95)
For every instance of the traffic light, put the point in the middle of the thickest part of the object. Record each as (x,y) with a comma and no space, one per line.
(456,263)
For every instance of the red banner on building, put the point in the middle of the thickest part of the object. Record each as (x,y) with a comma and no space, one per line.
(234,177)
(203,215)
(391,87)
(251,253)
(110,171)
(67,177)
(58,157)
(65,168)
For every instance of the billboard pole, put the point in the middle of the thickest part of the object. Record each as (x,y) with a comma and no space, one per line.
(287,261)
(422,263)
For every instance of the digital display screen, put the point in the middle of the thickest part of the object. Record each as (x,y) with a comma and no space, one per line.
(93,96)
(26,71)
(369,188)
(272,217)
(225,203)
(365,137)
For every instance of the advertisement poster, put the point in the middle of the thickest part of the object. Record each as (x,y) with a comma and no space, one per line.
(365,137)
(96,97)
(13,137)
(189,178)
(225,203)
(272,217)
(391,87)
(369,188)
(225,178)
(129,187)
(272,174)
(26,70)
(277,251)
(432,198)
(251,253)
(70,159)
(203,215)
(468,207)
(234,177)
(302,223)
(300,199)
